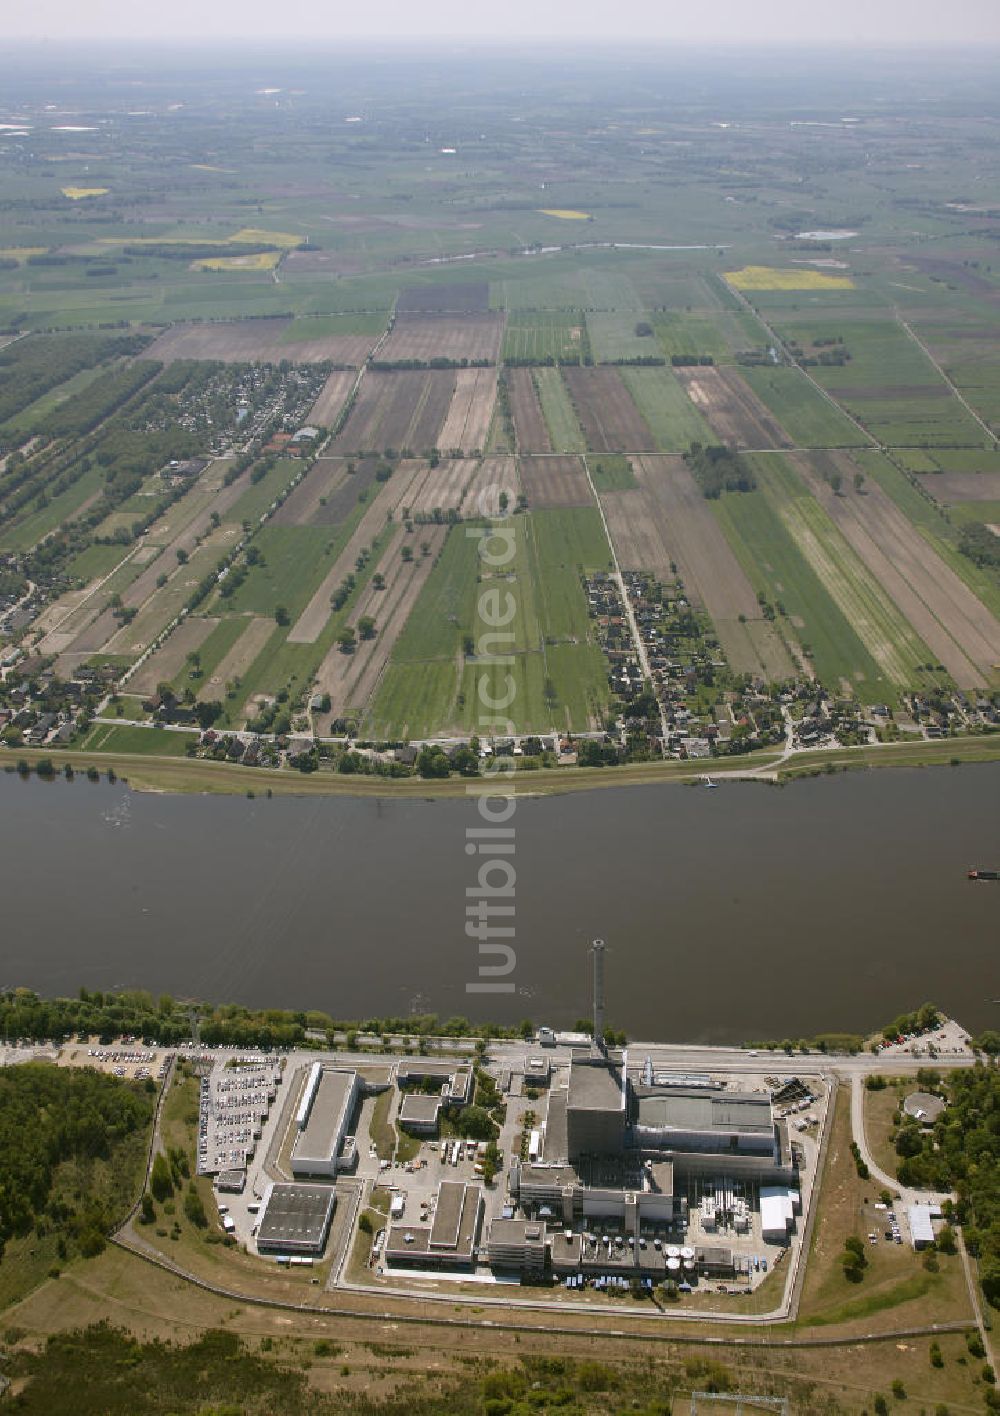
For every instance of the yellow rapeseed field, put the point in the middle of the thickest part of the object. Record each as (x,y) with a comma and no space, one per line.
(261,260)
(21,253)
(252,236)
(77,194)
(773,278)
(565,215)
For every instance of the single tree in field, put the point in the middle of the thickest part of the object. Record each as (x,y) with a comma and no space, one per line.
(859,481)
(366,627)
(347,639)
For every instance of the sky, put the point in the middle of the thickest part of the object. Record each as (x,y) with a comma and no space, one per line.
(928,23)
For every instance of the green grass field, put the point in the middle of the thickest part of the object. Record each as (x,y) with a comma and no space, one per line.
(154,742)
(566,544)
(673,419)
(778,569)
(293,561)
(259,496)
(564,430)
(613,336)
(806,416)
(544,334)
(611,472)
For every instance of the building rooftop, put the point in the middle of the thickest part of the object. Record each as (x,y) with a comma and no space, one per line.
(296,1217)
(328,1119)
(595,1086)
(696,1110)
(417,1107)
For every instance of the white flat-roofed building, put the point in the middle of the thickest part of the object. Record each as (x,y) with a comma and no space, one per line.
(323,1146)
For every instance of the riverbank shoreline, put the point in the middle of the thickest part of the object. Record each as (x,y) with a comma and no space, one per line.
(198,776)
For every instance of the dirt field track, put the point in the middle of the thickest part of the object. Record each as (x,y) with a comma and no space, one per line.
(238,660)
(962,486)
(332,398)
(398,410)
(467,424)
(429,337)
(257,341)
(531,432)
(732,409)
(167,662)
(608,416)
(351,679)
(953,623)
(668,520)
(555,481)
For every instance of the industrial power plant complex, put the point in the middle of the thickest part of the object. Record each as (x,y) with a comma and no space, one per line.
(563,1161)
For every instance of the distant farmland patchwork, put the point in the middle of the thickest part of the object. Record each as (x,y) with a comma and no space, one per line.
(840,561)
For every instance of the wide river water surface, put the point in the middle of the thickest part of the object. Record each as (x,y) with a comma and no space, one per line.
(745,912)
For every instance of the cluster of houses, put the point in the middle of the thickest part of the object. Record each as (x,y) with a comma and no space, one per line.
(39,709)
(938,713)
(251,397)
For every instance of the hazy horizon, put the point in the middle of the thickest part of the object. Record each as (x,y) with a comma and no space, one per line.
(905,24)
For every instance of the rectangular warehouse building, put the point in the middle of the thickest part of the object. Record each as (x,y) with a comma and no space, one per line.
(323,1145)
(296,1219)
(595,1108)
(696,1119)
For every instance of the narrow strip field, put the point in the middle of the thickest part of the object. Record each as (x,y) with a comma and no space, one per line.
(531,433)
(313,493)
(467,424)
(959,630)
(398,410)
(332,398)
(426,337)
(169,659)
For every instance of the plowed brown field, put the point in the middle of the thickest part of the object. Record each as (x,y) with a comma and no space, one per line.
(257,341)
(332,398)
(732,409)
(608,416)
(531,432)
(555,481)
(398,410)
(429,337)
(467,424)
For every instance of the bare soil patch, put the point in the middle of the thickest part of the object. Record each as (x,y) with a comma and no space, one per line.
(955,625)
(531,431)
(962,486)
(257,341)
(555,481)
(732,409)
(879,393)
(444,336)
(467,425)
(235,664)
(610,420)
(332,398)
(168,661)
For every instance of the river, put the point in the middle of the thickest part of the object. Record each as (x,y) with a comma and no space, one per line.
(749,911)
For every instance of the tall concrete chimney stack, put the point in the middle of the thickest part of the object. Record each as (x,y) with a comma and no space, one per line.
(597,949)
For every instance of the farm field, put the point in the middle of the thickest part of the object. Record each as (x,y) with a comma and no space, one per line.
(544,334)
(555,481)
(335,393)
(733,411)
(531,432)
(565,433)
(889,637)
(962,634)
(473,337)
(613,336)
(610,420)
(466,427)
(258,341)
(671,416)
(711,574)
(806,416)
(718,333)
(398,410)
